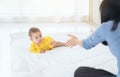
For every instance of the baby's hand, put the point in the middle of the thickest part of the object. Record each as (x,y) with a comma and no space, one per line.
(42,51)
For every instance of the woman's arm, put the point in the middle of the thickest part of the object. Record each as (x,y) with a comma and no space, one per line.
(91,41)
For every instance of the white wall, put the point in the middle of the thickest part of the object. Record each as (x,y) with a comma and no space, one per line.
(96,12)
(5,61)
(94,15)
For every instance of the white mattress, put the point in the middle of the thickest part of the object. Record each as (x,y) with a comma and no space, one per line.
(59,62)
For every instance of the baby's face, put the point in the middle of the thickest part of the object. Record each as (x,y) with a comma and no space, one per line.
(36,37)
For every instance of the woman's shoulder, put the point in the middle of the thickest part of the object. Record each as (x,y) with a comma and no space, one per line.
(104,26)
(107,23)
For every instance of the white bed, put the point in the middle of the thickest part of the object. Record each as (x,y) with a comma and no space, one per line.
(59,62)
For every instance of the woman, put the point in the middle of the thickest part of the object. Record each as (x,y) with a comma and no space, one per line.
(108,33)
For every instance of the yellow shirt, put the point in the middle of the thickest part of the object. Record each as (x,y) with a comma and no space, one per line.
(45,45)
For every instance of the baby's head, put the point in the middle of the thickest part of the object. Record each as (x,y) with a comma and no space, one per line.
(35,35)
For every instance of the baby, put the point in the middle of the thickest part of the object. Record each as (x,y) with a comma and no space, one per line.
(41,44)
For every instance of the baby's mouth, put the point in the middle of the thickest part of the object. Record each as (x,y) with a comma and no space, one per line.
(39,43)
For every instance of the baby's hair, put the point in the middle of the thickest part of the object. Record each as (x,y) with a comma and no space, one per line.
(33,30)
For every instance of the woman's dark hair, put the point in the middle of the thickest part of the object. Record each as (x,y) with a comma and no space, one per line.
(110,10)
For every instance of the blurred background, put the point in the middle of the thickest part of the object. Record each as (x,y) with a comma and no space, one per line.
(49,11)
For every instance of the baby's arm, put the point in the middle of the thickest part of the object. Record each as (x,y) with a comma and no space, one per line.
(57,44)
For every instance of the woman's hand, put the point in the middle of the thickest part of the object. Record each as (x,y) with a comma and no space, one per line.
(73,41)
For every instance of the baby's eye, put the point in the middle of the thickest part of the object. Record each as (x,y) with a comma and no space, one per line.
(40,35)
(36,37)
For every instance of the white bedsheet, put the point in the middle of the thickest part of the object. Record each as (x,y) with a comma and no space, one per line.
(59,62)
